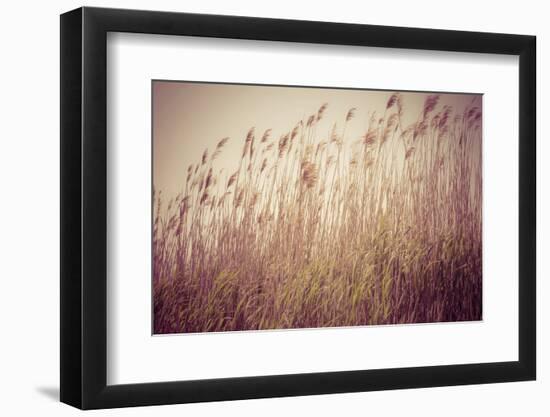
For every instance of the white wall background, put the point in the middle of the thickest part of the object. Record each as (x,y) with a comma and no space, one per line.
(29,226)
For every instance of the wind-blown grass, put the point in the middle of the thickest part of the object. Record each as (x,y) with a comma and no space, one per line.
(320,229)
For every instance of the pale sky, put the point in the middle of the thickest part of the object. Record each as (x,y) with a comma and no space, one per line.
(189,117)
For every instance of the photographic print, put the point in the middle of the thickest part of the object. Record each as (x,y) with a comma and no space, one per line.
(282,207)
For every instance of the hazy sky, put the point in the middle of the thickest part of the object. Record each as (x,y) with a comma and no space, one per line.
(189,117)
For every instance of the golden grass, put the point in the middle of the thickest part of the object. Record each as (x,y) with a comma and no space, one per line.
(318,230)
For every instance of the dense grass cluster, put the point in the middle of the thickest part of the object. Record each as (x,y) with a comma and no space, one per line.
(319,229)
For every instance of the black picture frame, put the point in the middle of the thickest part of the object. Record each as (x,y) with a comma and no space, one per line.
(84,207)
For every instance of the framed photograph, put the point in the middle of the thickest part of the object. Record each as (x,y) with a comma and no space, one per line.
(256,208)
